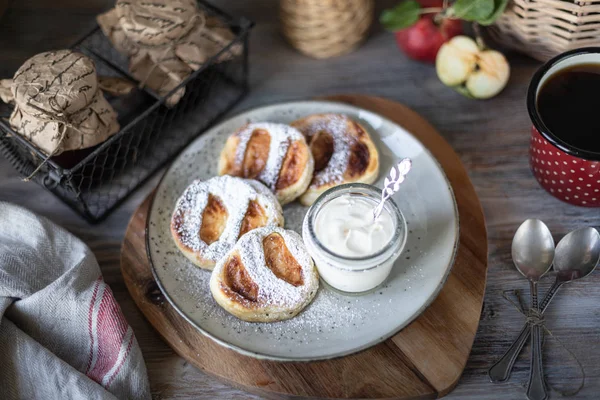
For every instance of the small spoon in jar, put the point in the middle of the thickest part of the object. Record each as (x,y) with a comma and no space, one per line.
(392,183)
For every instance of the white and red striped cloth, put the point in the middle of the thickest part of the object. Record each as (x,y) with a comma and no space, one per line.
(62,334)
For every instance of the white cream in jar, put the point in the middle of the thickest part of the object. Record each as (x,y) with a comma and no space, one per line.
(346,227)
(352,252)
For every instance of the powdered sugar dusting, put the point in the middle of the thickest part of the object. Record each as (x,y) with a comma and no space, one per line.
(337,126)
(271,289)
(321,320)
(235,194)
(333,324)
(281,137)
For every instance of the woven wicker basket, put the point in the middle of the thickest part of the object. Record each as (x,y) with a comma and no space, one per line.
(326,28)
(545,28)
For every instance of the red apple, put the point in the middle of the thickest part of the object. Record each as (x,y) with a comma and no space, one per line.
(423,40)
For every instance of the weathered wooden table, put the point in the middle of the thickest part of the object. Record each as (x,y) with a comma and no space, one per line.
(490,136)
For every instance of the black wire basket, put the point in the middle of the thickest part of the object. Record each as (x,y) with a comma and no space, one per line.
(151,133)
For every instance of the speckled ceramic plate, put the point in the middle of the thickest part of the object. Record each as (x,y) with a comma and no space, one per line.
(333,324)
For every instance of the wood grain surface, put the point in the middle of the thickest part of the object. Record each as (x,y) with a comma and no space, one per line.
(424,360)
(491,137)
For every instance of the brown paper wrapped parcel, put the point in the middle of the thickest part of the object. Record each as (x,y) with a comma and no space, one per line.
(165,40)
(58,103)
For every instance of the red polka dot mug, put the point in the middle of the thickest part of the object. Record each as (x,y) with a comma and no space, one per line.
(568,173)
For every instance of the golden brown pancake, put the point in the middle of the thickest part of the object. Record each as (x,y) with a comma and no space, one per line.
(210,216)
(343,152)
(267,276)
(275,154)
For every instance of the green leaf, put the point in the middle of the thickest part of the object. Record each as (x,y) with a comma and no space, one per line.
(402,16)
(499,7)
(473,10)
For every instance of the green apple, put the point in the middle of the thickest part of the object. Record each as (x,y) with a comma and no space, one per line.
(472,71)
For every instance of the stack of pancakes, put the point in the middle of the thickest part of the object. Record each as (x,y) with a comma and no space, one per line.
(232,224)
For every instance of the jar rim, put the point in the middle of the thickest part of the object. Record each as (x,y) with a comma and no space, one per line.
(374,193)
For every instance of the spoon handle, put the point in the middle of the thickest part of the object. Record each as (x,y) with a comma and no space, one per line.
(536,389)
(550,295)
(500,371)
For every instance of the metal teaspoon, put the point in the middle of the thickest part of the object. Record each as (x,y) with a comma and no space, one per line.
(577,255)
(533,253)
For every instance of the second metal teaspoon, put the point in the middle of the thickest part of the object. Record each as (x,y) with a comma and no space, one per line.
(576,256)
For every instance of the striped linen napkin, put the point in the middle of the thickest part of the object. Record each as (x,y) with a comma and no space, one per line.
(62,334)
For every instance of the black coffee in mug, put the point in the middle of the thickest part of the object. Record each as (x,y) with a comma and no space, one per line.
(568,103)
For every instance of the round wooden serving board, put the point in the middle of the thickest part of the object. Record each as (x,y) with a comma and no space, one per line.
(425,360)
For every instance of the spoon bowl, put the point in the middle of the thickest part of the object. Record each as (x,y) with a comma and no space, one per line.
(533,249)
(577,254)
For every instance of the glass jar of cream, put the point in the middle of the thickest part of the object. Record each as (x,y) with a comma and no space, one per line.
(352,252)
